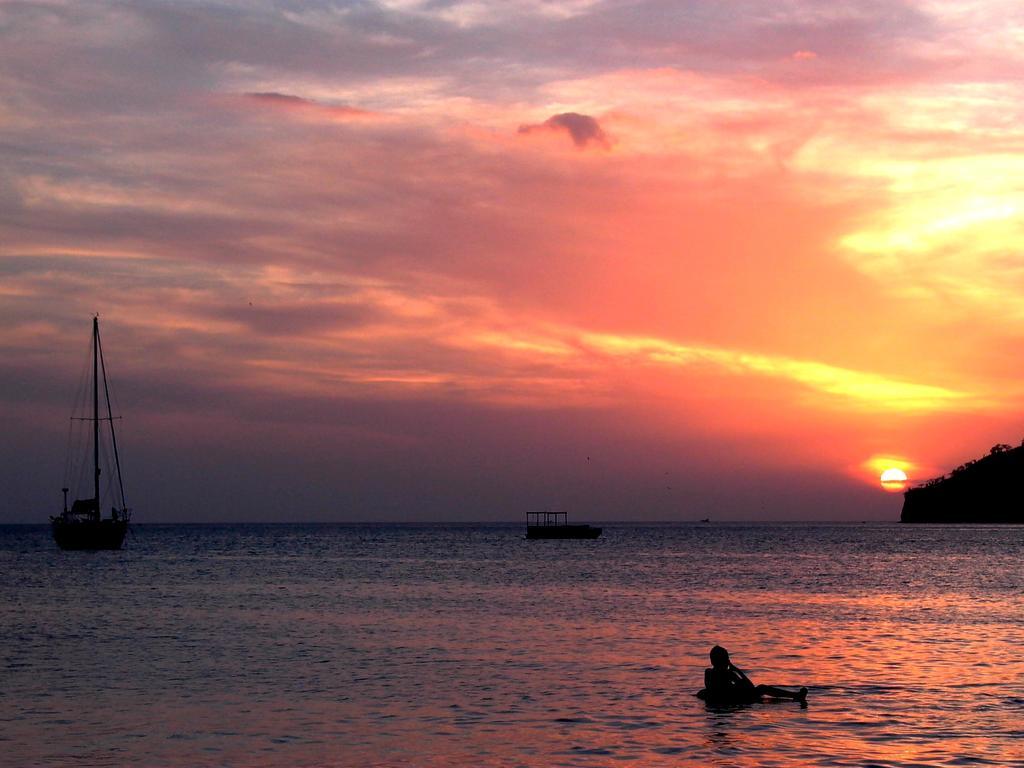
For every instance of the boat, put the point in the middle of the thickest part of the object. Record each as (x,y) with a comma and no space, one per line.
(989,489)
(83,525)
(555,525)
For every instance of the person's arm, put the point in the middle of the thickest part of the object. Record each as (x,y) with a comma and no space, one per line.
(707,678)
(741,675)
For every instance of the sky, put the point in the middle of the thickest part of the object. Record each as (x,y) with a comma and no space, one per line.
(437,260)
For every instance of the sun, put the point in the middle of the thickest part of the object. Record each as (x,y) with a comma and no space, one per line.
(894,480)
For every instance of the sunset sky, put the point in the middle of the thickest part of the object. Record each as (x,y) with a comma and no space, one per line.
(440,260)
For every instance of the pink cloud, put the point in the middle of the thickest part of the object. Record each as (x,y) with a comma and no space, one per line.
(297,104)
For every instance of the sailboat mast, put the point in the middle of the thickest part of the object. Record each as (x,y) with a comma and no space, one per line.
(96,412)
(113,434)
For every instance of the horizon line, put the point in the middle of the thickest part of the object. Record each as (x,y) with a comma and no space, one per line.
(730,521)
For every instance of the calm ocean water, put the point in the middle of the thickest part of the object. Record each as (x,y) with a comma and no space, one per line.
(314,645)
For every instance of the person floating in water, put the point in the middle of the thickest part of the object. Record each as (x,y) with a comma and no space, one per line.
(725,683)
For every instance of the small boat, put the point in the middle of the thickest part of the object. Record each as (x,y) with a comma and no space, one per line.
(555,525)
(83,526)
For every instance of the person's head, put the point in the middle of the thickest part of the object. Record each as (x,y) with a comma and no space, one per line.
(719,657)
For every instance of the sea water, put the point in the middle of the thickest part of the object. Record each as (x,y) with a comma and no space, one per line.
(320,645)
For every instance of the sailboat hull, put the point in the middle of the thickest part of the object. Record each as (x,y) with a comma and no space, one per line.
(88,534)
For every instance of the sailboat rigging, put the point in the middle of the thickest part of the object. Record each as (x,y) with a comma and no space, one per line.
(83,526)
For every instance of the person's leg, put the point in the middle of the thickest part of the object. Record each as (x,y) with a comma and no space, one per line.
(781,693)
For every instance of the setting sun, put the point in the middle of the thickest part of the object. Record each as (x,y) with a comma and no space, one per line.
(894,479)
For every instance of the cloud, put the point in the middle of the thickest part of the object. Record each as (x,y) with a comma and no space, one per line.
(583,129)
(289,102)
(285,99)
(865,389)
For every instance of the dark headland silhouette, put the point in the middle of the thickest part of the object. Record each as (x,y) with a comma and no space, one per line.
(986,490)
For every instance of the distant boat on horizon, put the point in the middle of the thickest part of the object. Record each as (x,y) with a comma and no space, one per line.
(555,525)
(83,526)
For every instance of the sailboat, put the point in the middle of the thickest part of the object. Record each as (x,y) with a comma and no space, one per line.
(83,526)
